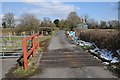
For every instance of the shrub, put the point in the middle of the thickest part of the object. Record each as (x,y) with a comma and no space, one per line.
(103,38)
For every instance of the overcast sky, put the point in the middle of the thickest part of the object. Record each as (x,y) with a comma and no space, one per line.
(96,10)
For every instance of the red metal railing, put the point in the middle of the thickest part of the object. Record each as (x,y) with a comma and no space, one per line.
(32,51)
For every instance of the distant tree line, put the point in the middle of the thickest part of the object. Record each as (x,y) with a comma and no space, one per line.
(73,20)
(29,21)
(113,24)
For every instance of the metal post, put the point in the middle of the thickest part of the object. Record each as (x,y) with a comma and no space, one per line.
(38,42)
(32,50)
(25,54)
(33,45)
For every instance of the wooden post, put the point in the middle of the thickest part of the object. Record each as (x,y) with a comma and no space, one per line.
(14,34)
(39,42)
(9,36)
(42,33)
(33,32)
(23,33)
(38,32)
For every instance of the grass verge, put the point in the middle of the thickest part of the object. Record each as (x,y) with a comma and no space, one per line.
(19,72)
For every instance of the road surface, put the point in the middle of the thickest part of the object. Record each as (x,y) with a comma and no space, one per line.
(6,65)
(66,60)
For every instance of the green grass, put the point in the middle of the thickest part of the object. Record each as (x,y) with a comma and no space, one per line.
(41,49)
(14,38)
(115,69)
(42,38)
(17,41)
(20,72)
(87,47)
(32,69)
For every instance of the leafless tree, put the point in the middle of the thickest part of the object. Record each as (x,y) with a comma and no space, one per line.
(61,24)
(29,20)
(92,23)
(47,23)
(74,19)
(9,20)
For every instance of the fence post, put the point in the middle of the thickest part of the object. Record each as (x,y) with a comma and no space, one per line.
(33,45)
(25,54)
(39,42)
(9,36)
(32,50)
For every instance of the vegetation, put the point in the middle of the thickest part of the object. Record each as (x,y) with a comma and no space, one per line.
(47,23)
(16,42)
(56,22)
(104,34)
(73,19)
(28,22)
(87,47)
(8,20)
(113,24)
(115,68)
(19,72)
(104,38)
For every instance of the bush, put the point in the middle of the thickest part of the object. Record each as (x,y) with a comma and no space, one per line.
(103,38)
(45,29)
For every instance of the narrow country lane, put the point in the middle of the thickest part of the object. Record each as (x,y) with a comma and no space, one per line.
(66,60)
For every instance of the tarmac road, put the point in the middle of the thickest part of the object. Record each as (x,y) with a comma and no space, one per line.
(59,41)
(6,64)
(65,60)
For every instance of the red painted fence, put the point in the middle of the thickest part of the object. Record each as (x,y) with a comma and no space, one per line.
(32,51)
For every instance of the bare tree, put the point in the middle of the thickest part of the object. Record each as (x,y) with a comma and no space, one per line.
(113,24)
(67,24)
(47,23)
(61,24)
(56,22)
(103,24)
(29,20)
(92,23)
(86,18)
(51,24)
(9,20)
(74,19)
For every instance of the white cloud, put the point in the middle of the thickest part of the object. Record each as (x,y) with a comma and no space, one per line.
(26,0)
(34,0)
(60,0)
(53,9)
